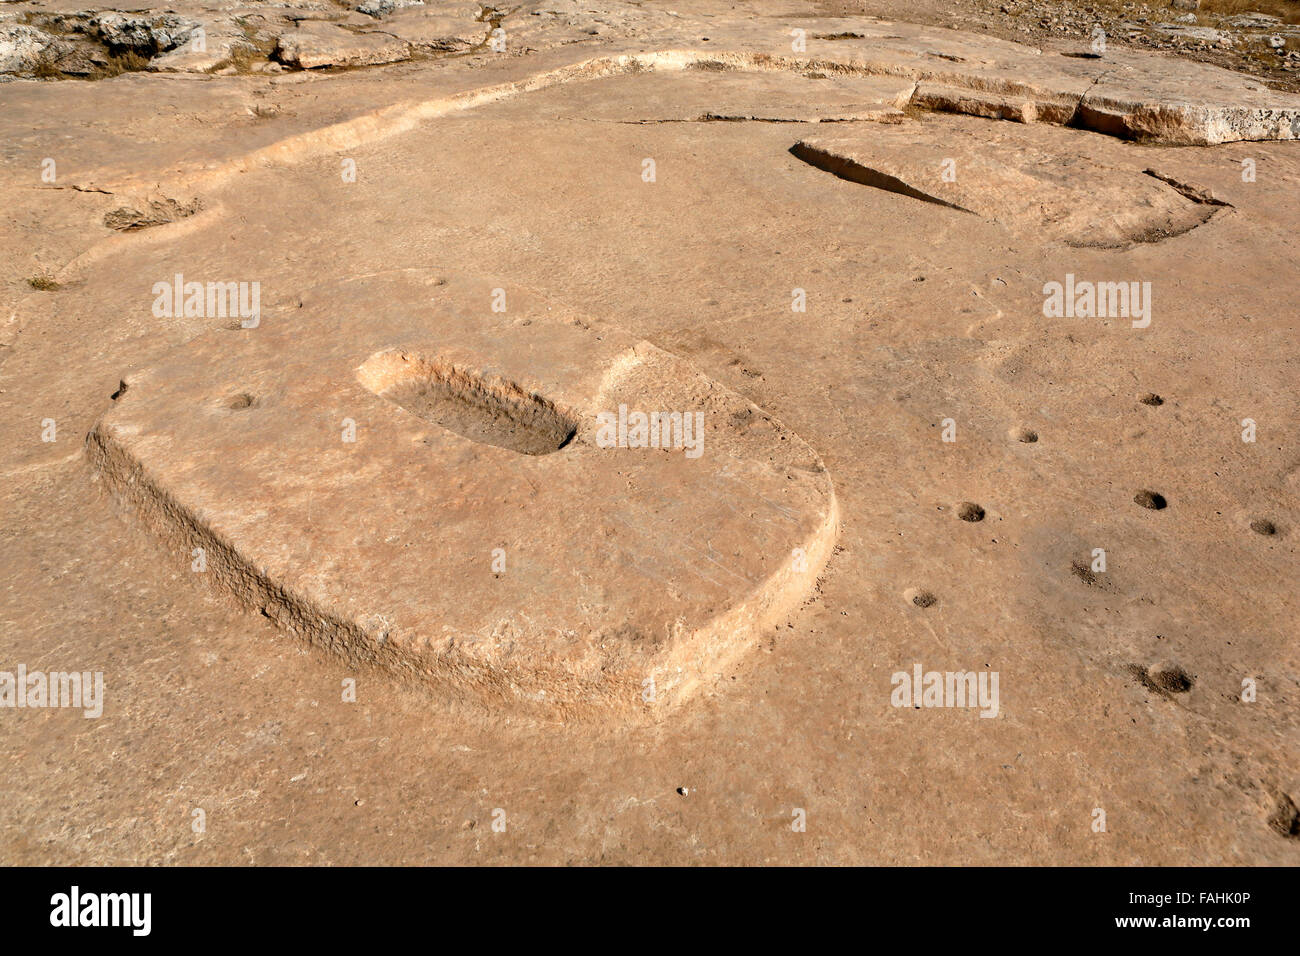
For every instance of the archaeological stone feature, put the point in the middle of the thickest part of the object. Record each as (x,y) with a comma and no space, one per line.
(1023,179)
(428,415)
(354,488)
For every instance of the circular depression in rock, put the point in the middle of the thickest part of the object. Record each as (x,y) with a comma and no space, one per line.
(920,597)
(1263,526)
(1166,678)
(1151,500)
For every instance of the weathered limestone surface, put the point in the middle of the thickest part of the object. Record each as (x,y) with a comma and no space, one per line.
(739,280)
(22,47)
(1029,180)
(625,563)
(1121,93)
(315,44)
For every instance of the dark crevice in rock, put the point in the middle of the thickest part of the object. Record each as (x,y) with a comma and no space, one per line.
(855,173)
(1195,193)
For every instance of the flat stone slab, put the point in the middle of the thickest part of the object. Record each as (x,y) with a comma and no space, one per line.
(1129,94)
(1026,178)
(1188,105)
(434,30)
(700,94)
(487,531)
(316,44)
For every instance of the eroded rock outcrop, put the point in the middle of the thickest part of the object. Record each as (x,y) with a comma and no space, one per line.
(23,48)
(315,44)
